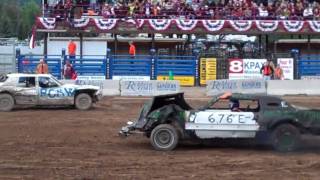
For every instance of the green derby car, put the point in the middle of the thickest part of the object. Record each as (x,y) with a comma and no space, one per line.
(168,119)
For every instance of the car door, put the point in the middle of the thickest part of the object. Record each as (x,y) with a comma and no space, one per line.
(26,91)
(51,93)
(223,123)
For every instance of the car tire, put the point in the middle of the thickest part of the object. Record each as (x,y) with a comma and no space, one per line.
(6,102)
(164,137)
(285,138)
(83,101)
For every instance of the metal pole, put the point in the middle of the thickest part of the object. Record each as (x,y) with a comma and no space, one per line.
(267,44)
(260,50)
(115,44)
(45,45)
(42,8)
(81,45)
(309,47)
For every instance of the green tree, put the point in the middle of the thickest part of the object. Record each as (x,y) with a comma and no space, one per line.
(17,17)
(29,12)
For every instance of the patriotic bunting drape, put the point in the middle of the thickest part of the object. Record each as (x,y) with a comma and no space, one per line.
(213,25)
(293,26)
(267,26)
(188,24)
(314,25)
(159,24)
(105,24)
(241,26)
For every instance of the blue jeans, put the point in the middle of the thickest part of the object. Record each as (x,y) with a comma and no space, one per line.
(265,77)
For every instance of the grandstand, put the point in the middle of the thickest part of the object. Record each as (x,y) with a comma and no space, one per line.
(170,31)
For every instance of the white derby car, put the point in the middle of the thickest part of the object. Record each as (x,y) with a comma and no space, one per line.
(44,90)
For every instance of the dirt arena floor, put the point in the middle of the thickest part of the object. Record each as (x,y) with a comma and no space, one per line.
(70,144)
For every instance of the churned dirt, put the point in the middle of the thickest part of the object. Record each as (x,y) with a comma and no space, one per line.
(70,144)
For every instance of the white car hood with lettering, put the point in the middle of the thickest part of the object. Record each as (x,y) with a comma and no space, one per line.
(80,87)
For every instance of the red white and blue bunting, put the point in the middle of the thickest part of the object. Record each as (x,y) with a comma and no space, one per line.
(159,24)
(213,25)
(240,25)
(48,23)
(80,23)
(185,24)
(267,25)
(314,25)
(105,24)
(293,26)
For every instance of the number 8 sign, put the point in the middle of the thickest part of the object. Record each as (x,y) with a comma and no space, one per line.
(235,66)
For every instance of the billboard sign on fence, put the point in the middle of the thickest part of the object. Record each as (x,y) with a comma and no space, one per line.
(245,68)
(208,70)
(287,66)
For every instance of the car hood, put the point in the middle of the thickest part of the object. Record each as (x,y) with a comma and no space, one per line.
(80,87)
(158,102)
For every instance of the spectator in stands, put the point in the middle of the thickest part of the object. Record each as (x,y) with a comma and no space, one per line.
(247,13)
(278,73)
(308,12)
(72,48)
(42,67)
(131,8)
(263,12)
(132,49)
(68,71)
(147,8)
(316,14)
(267,70)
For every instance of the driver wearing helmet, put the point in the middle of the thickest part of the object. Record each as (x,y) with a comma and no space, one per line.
(234,105)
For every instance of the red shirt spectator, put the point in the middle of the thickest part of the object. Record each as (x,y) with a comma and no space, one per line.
(132,49)
(72,48)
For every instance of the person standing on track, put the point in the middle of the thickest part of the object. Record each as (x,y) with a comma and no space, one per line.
(72,48)
(267,70)
(132,49)
(68,71)
(42,67)
(278,73)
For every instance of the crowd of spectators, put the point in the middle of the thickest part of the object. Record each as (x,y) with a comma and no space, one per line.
(190,9)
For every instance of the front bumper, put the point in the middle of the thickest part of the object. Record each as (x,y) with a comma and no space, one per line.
(128,129)
(98,95)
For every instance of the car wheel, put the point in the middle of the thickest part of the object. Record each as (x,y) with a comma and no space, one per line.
(6,102)
(285,138)
(164,137)
(83,101)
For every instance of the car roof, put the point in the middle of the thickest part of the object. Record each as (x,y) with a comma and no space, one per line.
(29,75)
(262,97)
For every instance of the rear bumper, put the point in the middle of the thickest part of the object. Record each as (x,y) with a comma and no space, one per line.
(128,129)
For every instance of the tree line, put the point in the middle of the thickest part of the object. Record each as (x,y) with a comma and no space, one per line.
(17,17)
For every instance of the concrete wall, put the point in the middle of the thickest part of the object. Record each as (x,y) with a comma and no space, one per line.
(257,86)
(293,87)
(131,88)
(148,88)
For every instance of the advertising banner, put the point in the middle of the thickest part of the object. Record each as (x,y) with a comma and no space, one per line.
(287,66)
(184,80)
(208,70)
(131,78)
(245,68)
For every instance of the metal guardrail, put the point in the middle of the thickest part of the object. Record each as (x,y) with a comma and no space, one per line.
(7,63)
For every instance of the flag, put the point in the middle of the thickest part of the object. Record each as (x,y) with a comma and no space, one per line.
(33,38)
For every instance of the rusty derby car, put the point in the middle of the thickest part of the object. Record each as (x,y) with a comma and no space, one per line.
(44,90)
(168,120)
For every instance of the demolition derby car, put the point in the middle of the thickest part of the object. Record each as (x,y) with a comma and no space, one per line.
(46,90)
(168,119)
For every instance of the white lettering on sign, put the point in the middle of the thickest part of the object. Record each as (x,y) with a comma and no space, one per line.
(235,65)
(57,92)
(223,117)
(245,68)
